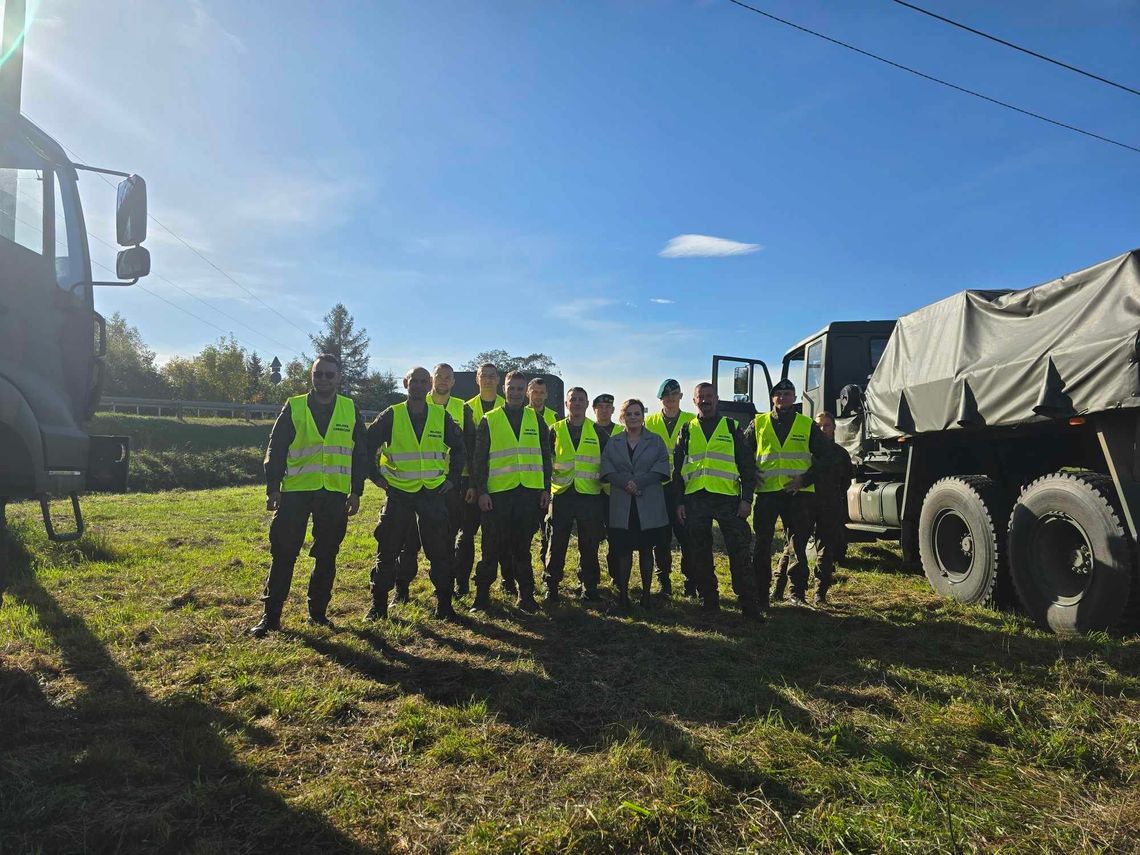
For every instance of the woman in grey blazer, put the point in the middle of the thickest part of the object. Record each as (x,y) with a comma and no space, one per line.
(635,463)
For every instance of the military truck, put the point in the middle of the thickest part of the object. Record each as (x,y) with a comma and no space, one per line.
(52,341)
(995,436)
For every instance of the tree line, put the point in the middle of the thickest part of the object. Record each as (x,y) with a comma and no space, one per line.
(225,371)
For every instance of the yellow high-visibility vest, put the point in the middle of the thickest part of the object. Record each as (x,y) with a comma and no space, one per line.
(711,464)
(454,407)
(477,411)
(656,423)
(548,416)
(777,463)
(410,464)
(514,461)
(320,462)
(579,466)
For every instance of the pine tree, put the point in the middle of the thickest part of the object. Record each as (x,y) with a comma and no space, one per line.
(341,338)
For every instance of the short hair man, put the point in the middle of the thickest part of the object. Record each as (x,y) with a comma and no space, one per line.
(713,476)
(421,458)
(511,472)
(315,466)
(577,488)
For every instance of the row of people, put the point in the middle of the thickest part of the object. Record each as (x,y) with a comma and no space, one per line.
(504,463)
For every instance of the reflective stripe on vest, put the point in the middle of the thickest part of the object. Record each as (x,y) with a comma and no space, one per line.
(711,464)
(454,407)
(513,461)
(477,411)
(578,466)
(318,462)
(776,464)
(410,464)
(656,423)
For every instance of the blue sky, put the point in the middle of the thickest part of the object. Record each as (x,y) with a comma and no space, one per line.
(465,176)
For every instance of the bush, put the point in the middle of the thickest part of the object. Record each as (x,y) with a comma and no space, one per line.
(195,470)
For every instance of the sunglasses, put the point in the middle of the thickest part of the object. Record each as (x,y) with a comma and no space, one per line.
(327,375)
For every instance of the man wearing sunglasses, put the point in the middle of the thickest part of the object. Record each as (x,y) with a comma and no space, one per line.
(315,466)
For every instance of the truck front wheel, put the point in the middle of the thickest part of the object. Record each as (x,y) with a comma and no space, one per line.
(960,537)
(1069,553)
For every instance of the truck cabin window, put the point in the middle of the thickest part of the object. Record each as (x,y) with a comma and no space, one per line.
(814,365)
(878,345)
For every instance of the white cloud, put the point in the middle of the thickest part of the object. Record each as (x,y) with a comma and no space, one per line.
(661,300)
(704,246)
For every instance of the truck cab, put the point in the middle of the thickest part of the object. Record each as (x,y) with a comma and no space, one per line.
(52,341)
(841,354)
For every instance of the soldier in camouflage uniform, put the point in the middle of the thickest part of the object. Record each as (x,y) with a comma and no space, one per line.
(714,475)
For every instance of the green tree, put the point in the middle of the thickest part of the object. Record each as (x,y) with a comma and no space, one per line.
(341,338)
(379,391)
(131,369)
(532,363)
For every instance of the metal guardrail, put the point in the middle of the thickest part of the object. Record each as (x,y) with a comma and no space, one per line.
(181,409)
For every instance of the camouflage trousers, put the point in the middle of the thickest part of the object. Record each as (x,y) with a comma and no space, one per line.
(702,508)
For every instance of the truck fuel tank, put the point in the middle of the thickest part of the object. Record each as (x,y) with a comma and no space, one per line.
(875,502)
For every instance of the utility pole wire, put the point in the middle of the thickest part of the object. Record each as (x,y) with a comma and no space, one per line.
(937,80)
(1032,53)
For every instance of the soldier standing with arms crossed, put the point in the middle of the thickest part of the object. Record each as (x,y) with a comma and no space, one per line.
(315,466)
(421,458)
(713,475)
(576,461)
(511,472)
(667,424)
(784,443)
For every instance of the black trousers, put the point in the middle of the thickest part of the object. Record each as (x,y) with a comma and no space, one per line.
(465,548)
(663,554)
(287,533)
(702,508)
(566,509)
(829,528)
(508,530)
(425,510)
(795,510)
(408,563)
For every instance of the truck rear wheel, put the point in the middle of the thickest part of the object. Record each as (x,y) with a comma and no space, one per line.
(1069,553)
(960,537)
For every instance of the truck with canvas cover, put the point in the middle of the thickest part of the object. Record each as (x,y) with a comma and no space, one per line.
(995,434)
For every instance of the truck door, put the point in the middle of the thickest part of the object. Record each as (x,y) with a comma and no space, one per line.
(743,385)
(811,385)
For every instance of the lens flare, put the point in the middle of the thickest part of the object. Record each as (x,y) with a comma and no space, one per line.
(29,17)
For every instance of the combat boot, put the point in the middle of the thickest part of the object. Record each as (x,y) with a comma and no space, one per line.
(402,593)
(527,603)
(268,623)
(753,613)
(320,620)
(820,598)
(482,599)
(781,584)
(667,587)
(445,611)
(712,602)
(379,610)
(551,599)
(462,587)
(510,587)
(691,589)
(798,599)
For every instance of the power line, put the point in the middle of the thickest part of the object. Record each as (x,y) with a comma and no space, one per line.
(1024,50)
(194,250)
(173,284)
(937,80)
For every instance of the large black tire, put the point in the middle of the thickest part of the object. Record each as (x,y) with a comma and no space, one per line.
(1069,553)
(961,538)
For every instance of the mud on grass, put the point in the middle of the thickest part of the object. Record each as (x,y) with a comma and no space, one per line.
(138,716)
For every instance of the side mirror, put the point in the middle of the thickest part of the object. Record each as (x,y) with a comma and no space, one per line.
(133,263)
(130,214)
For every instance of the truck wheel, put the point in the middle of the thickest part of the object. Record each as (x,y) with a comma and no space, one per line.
(1069,553)
(960,538)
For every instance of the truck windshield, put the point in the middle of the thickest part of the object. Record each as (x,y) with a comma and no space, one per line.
(39,210)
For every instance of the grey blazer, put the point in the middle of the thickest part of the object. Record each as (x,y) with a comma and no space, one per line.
(650,462)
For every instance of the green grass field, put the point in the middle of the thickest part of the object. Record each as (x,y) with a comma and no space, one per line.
(190,454)
(136,715)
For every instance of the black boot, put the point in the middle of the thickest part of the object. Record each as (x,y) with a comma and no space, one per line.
(482,599)
(402,593)
(752,612)
(711,602)
(320,619)
(527,603)
(820,597)
(268,623)
(666,587)
(444,611)
(379,610)
(781,584)
(551,598)
(462,587)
